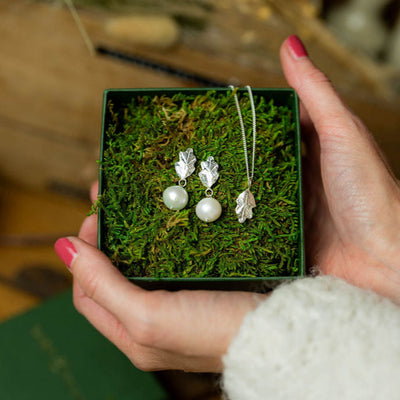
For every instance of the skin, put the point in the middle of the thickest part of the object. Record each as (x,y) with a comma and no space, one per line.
(352,208)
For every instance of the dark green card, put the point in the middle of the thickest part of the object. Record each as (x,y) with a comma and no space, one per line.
(52,352)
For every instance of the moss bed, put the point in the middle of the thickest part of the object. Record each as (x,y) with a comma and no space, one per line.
(144,238)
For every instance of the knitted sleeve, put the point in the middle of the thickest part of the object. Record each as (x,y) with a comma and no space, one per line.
(316,338)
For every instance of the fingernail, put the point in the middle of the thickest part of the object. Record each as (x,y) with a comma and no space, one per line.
(65,250)
(296,47)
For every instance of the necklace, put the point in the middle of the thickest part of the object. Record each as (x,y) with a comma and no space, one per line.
(246,202)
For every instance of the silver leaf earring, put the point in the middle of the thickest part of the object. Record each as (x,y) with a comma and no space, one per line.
(176,197)
(208,209)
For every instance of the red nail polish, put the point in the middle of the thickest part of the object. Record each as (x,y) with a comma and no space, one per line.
(296,46)
(65,250)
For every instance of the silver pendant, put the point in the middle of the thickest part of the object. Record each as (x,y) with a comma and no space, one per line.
(245,204)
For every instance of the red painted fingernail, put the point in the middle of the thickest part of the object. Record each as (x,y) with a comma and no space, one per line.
(296,46)
(65,250)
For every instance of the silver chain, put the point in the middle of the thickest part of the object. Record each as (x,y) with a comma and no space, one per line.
(250,175)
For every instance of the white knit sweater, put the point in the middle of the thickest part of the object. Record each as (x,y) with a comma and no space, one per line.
(317,338)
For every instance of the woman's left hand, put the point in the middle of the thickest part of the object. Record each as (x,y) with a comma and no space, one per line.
(186,330)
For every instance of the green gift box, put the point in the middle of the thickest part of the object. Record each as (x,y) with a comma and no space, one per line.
(143,132)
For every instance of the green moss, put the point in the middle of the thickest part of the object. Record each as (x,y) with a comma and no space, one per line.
(146,239)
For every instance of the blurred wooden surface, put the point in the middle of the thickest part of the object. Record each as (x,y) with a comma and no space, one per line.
(50,108)
(31,221)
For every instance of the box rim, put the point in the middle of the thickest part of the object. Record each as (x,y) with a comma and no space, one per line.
(302,267)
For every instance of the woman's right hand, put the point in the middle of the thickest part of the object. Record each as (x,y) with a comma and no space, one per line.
(352,199)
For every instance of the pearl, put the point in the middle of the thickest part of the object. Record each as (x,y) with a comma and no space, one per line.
(208,209)
(175,197)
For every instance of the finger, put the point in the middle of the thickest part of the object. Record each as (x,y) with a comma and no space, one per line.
(101,319)
(151,318)
(142,357)
(348,150)
(94,190)
(334,122)
(102,282)
(325,108)
(88,231)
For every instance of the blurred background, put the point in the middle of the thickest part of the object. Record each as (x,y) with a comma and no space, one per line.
(57,57)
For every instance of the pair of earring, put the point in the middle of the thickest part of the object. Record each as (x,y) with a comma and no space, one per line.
(176,197)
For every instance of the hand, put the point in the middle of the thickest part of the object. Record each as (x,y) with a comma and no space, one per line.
(352,199)
(188,330)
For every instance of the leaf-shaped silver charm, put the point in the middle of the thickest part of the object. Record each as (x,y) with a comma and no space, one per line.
(245,204)
(185,166)
(209,172)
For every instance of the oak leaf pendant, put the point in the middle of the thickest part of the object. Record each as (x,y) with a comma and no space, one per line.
(245,204)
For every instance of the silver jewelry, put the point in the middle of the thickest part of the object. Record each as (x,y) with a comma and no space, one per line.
(176,197)
(209,209)
(246,202)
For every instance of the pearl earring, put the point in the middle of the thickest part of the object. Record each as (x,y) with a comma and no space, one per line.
(176,197)
(208,209)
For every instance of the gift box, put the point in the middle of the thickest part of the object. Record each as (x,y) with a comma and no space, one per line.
(145,132)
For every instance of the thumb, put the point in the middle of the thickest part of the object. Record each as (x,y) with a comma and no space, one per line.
(344,140)
(326,109)
(339,130)
(98,278)
(357,181)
